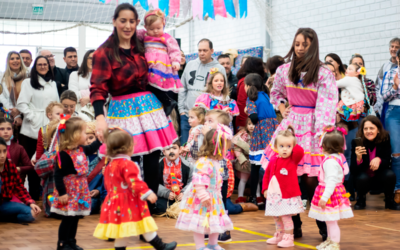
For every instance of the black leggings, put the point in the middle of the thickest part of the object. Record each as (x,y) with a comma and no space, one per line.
(384,179)
(150,169)
(254,179)
(309,184)
(68,228)
(29,145)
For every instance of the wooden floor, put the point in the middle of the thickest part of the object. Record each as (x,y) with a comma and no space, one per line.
(373,228)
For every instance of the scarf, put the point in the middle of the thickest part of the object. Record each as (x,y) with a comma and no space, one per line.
(47,77)
(14,86)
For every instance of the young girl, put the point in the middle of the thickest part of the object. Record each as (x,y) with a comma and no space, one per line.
(196,122)
(241,142)
(351,105)
(281,187)
(262,115)
(71,197)
(125,212)
(203,211)
(330,202)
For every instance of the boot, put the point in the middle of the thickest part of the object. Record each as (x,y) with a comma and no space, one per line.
(390,202)
(120,248)
(63,245)
(260,203)
(276,239)
(287,241)
(361,203)
(72,243)
(247,207)
(397,196)
(240,200)
(253,200)
(158,244)
(297,232)
(324,234)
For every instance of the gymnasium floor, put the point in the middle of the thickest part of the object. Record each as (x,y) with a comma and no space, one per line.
(373,228)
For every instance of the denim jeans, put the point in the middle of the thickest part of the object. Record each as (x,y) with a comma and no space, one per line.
(185,127)
(15,212)
(392,122)
(233,208)
(351,134)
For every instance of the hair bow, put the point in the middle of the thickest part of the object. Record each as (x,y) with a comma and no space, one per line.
(329,130)
(63,119)
(362,71)
(342,130)
(7,113)
(156,12)
(221,133)
(347,111)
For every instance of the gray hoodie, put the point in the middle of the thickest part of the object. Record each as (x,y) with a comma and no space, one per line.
(194,79)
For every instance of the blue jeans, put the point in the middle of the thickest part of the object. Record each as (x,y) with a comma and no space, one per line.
(351,134)
(15,212)
(233,208)
(392,122)
(185,127)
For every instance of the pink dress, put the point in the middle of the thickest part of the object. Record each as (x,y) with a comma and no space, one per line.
(313,108)
(209,101)
(160,53)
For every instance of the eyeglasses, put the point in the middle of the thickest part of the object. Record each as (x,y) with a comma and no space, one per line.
(50,56)
(44,65)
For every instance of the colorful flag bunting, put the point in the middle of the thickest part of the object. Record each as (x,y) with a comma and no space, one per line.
(243,8)
(219,8)
(197,9)
(153,3)
(174,6)
(208,8)
(230,8)
(164,6)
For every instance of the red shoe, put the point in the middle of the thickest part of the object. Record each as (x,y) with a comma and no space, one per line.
(240,200)
(260,200)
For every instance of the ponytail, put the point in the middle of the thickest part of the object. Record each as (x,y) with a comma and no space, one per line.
(252,93)
(255,83)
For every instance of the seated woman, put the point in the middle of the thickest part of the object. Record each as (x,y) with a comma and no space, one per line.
(12,185)
(370,162)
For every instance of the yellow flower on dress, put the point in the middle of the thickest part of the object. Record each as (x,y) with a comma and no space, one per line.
(363,71)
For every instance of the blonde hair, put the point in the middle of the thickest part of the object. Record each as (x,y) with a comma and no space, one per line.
(222,116)
(209,87)
(71,137)
(118,142)
(289,132)
(200,113)
(9,73)
(154,17)
(208,147)
(91,127)
(51,105)
(174,120)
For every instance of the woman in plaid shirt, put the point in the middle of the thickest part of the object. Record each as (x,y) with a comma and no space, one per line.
(120,69)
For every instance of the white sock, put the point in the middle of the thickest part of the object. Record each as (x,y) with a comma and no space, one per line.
(242,184)
(258,190)
(149,236)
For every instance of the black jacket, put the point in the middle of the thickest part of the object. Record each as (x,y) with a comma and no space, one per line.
(233,82)
(383,151)
(61,77)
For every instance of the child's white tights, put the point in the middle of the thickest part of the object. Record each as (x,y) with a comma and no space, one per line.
(258,190)
(123,242)
(244,177)
(333,230)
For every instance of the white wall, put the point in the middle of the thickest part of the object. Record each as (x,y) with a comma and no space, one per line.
(344,27)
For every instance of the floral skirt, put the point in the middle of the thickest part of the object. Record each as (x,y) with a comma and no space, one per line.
(142,114)
(351,113)
(263,132)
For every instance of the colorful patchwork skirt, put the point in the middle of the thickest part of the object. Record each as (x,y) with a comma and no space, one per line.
(263,132)
(142,114)
(351,113)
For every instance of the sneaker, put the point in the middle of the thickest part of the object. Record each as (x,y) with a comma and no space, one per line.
(287,241)
(276,239)
(304,204)
(332,246)
(225,237)
(324,244)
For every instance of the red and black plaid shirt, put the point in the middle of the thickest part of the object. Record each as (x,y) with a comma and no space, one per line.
(111,77)
(12,185)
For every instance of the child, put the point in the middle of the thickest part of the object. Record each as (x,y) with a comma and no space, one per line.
(12,185)
(241,148)
(330,202)
(281,187)
(125,212)
(15,152)
(175,177)
(196,122)
(53,112)
(71,197)
(262,115)
(203,211)
(217,95)
(351,105)
(163,56)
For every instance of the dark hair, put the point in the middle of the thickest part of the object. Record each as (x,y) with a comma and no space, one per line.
(273,64)
(356,56)
(26,51)
(309,63)
(251,65)
(69,49)
(6,120)
(35,75)
(177,143)
(83,69)
(398,53)
(223,56)
(255,83)
(337,59)
(69,95)
(113,43)
(118,142)
(333,142)
(330,64)
(383,135)
(210,44)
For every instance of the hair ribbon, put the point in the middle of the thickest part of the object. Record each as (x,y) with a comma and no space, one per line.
(221,133)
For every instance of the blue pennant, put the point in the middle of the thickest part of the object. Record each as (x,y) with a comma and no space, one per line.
(230,8)
(242,8)
(208,8)
(164,6)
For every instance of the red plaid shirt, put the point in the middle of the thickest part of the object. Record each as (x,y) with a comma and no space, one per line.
(110,77)
(12,185)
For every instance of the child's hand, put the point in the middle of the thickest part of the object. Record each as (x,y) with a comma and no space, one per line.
(245,110)
(206,203)
(171,196)
(205,129)
(152,198)
(104,169)
(184,149)
(33,162)
(322,204)
(180,196)
(196,134)
(227,109)
(176,66)
(63,199)
(265,194)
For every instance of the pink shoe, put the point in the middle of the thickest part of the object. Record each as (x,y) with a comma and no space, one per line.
(287,241)
(276,239)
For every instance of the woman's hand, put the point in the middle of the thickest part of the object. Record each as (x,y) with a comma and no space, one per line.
(206,203)
(33,162)
(285,111)
(35,208)
(374,164)
(152,198)
(63,199)
(94,193)
(84,100)
(176,66)
(18,121)
(101,126)
(270,81)
(180,196)
(15,112)
(396,82)
(322,204)
(245,111)
(360,151)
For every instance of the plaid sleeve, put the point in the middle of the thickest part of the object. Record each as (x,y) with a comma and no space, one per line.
(194,150)
(19,189)
(101,75)
(388,93)
(371,91)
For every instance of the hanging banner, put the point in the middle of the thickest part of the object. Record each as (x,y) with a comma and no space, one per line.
(143,3)
(219,8)
(124,1)
(197,9)
(230,8)
(153,3)
(243,8)
(186,5)
(236,5)
(164,6)
(174,6)
(208,8)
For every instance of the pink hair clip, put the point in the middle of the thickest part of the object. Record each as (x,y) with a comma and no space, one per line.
(342,130)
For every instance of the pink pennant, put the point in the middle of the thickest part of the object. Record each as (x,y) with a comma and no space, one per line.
(197,9)
(154,3)
(174,6)
(186,5)
(108,1)
(219,8)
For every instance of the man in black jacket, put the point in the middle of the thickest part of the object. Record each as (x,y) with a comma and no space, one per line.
(71,59)
(226,62)
(61,76)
